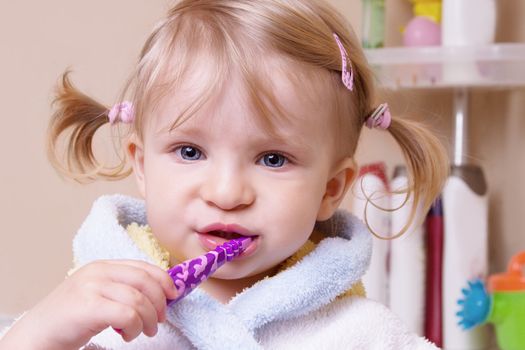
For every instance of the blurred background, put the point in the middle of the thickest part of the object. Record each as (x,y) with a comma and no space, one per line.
(100,40)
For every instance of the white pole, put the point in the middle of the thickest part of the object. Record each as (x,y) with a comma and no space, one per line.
(460,126)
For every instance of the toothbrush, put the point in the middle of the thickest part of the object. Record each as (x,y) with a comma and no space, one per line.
(192,272)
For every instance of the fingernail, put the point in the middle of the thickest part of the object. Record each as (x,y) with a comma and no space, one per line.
(155,331)
(175,291)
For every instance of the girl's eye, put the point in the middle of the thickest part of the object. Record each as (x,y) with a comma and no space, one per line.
(189,152)
(274,160)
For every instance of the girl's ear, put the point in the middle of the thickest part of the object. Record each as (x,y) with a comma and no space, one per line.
(135,152)
(338,184)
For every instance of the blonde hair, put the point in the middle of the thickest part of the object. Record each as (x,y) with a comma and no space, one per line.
(239,35)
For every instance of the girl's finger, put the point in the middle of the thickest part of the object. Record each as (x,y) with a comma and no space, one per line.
(156,272)
(143,281)
(120,316)
(138,302)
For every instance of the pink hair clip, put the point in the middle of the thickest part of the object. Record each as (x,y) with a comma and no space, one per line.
(380,118)
(347,75)
(122,112)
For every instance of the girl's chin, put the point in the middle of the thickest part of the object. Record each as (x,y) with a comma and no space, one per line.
(242,271)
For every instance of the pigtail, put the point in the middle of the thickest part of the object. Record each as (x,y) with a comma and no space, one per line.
(82,116)
(427,164)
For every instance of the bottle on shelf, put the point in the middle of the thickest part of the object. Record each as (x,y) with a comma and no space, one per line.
(373,35)
(424,29)
(468,22)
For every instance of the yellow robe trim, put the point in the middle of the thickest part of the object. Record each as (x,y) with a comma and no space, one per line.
(145,241)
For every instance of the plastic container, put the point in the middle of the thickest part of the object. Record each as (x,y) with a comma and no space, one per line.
(503,305)
(372,183)
(422,31)
(465,250)
(373,35)
(407,259)
(434,278)
(468,22)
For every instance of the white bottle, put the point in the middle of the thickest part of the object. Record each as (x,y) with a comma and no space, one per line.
(465,253)
(372,183)
(468,22)
(407,259)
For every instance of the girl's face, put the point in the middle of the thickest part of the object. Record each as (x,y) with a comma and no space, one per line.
(221,171)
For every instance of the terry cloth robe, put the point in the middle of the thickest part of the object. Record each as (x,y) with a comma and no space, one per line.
(299,308)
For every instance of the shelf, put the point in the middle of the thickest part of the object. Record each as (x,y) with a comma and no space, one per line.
(491,66)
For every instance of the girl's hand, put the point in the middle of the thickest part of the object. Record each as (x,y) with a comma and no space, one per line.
(127,295)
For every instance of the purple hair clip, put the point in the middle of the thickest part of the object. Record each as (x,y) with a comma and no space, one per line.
(347,75)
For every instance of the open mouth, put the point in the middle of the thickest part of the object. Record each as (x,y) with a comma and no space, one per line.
(226,234)
(217,234)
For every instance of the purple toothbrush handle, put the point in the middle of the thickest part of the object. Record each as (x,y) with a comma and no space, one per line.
(189,274)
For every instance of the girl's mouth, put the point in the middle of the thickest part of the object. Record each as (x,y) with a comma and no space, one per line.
(226,234)
(211,239)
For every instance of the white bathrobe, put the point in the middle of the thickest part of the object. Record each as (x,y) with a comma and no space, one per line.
(297,308)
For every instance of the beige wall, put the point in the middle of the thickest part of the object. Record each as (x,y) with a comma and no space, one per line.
(99,40)
(40,212)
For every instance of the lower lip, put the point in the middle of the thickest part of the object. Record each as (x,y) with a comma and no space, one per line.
(210,242)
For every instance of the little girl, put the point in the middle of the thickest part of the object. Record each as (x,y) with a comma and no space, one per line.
(244,117)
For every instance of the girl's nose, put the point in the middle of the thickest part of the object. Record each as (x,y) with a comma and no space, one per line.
(227,189)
